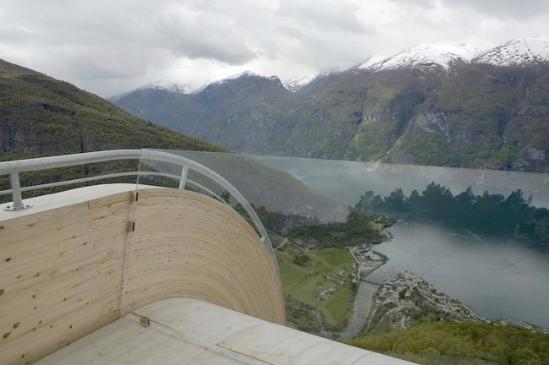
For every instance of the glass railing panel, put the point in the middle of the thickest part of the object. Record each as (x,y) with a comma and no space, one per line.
(264,186)
(159,173)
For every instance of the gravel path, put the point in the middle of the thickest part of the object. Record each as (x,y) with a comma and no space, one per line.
(361,309)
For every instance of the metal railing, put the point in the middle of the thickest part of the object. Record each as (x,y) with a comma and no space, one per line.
(14,168)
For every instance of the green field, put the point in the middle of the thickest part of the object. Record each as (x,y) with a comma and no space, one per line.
(322,271)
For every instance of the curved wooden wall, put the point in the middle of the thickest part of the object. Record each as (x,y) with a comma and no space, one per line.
(68,271)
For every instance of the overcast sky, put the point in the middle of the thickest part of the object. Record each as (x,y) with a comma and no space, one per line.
(109,47)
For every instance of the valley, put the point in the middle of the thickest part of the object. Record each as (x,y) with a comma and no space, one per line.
(426,287)
(329,292)
(451,259)
(403,316)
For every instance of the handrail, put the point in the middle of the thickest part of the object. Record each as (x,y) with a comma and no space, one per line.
(51,162)
(88,179)
(108,176)
(14,168)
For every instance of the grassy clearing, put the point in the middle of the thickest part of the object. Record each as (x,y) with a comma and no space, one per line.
(337,309)
(325,271)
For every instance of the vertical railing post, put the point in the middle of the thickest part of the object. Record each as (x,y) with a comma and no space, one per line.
(183,178)
(17,200)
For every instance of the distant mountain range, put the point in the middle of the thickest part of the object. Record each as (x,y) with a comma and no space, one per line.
(431,104)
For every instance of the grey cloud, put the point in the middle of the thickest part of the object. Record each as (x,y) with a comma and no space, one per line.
(203,35)
(511,8)
(508,8)
(86,40)
(494,8)
(110,46)
(14,34)
(324,15)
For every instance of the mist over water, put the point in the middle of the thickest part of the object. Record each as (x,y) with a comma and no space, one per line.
(498,278)
(348,180)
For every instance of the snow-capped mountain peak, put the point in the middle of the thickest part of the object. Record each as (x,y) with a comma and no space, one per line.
(169,86)
(421,56)
(241,74)
(296,84)
(245,74)
(516,52)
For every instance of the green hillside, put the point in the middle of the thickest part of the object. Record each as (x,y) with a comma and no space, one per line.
(41,116)
(474,343)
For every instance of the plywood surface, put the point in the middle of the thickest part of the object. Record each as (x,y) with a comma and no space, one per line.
(69,270)
(186,331)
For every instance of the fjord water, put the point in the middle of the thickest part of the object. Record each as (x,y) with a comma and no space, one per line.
(499,279)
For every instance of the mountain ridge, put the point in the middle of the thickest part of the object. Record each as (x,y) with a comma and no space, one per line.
(471,114)
(425,55)
(516,52)
(513,52)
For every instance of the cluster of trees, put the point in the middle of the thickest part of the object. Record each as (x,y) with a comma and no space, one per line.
(494,214)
